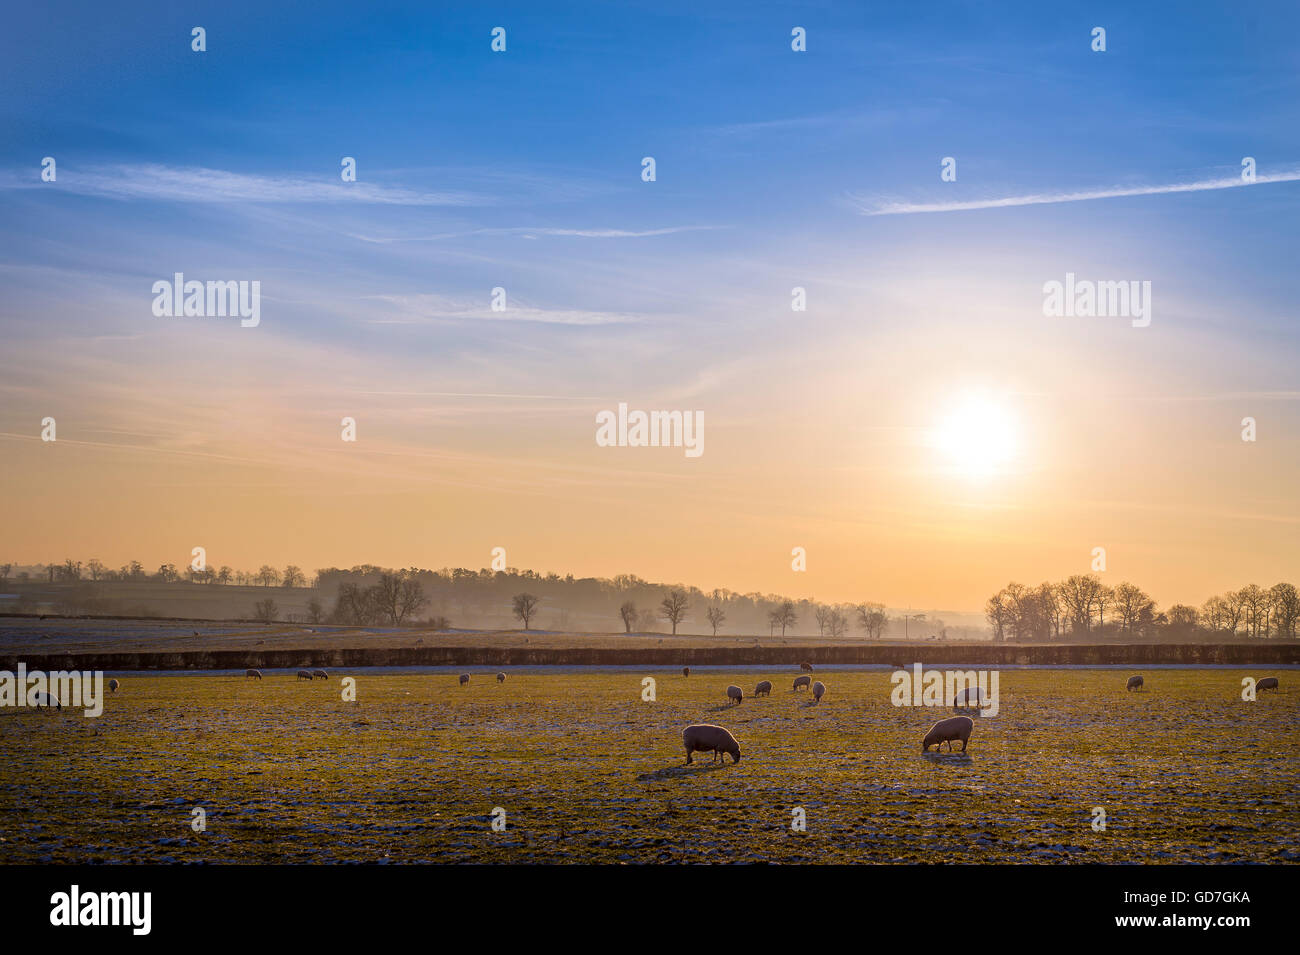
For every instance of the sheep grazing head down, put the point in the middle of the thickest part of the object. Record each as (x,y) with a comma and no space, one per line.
(958,728)
(704,737)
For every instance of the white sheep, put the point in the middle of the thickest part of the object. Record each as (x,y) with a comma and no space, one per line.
(703,737)
(969,697)
(304,675)
(47,700)
(818,689)
(319,673)
(250,673)
(733,693)
(501,677)
(113,685)
(464,679)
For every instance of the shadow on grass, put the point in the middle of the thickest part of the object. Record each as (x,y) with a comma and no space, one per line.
(682,770)
(724,707)
(956,757)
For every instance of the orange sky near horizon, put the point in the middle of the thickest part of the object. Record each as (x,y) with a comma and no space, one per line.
(847,453)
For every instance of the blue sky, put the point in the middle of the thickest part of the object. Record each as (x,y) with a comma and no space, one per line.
(522,170)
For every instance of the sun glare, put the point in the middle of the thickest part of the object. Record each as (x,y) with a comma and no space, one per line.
(977,437)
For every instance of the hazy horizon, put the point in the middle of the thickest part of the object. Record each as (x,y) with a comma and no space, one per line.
(923,430)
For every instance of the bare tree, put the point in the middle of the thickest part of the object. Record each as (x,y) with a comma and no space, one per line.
(785,616)
(1182,616)
(673,608)
(399,596)
(95,568)
(1255,603)
(268,576)
(1079,594)
(715,616)
(294,577)
(822,615)
(873,619)
(1236,600)
(265,611)
(998,612)
(524,606)
(1222,613)
(1129,602)
(1104,598)
(354,606)
(315,612)
(837,623)
(1286,609)
(628,613)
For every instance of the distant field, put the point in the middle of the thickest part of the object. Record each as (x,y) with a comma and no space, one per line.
(586,771)
(28,634)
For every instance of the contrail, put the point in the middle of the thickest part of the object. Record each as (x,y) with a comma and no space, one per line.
(1037,199)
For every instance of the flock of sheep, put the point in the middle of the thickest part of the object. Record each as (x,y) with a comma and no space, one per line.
(705,737)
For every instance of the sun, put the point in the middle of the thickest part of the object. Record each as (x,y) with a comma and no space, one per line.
(977,436)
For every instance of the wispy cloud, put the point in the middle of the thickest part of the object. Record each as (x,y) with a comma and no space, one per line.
(870,207)
(480,394)
(529,233)
(842,120)
(427,309)
(198,184)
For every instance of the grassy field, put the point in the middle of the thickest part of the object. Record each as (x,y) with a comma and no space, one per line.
(30,635)
(588,772)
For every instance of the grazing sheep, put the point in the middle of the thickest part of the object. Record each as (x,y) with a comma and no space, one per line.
(806,667)
(764,688)
(1268,683)
(501,677)
(47,699)
(945,731)
(304,674)
(733,693)
(686,671)
(252,673)
(818,689)
(113,685)
(801,681)
(1133,681)
(319,673)
(972,696)
(703,737)
(464,679)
